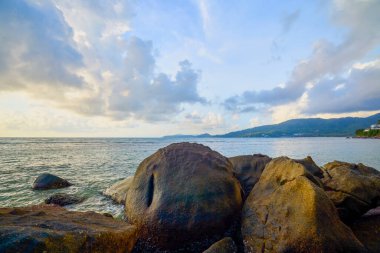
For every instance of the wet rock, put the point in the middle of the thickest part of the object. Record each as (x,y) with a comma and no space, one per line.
(287,211)
(47,181)
(226,245)
(50,228)
(63,199)
(248,169)
(367,230)
(184,191)
(118,191)
(354,188)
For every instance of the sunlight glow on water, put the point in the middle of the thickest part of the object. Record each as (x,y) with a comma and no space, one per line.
(93,164)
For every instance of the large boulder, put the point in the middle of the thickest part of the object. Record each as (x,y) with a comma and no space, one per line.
(183,197)
(367,230)
(47,181)
(248,169)
(63,199)
(288,211)
(50,228)
(118,191)
(354,188)
(226,245)
(310,166)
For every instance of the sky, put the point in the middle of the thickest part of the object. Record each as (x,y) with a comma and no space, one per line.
(93,68)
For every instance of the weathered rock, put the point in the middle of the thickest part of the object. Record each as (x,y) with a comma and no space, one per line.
(226,245)
(367,230)
(184,191)
(118,191)
(50,228)
(354,188)
(49,181)
(310,166)
(248,169)
(287,211)
(63,199)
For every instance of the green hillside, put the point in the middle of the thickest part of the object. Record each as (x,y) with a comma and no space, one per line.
(312,127)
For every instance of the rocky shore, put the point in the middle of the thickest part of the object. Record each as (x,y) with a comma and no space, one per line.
(189,198)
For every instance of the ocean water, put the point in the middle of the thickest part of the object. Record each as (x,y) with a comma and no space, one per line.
(93,164)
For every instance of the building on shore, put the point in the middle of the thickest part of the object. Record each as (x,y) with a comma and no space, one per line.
(375,127)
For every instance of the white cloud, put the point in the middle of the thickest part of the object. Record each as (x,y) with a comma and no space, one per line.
(359,91)
(253,122)
(292,110)
(205,14)
(150,96)
(36,47)
(360,19)
(204,122)
(80,56)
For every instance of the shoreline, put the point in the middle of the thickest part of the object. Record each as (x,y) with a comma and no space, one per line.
(363,137)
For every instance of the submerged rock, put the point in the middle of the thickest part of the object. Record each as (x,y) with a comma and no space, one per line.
(50,228)
(226,245)
(63,199)
(183,197)
(47,181)
(367,230)
(118,191)
(248,169)
(287,211)
(354,188)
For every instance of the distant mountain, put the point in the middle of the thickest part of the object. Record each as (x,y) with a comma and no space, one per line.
(312,127)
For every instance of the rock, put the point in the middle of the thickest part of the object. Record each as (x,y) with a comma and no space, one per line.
(248,169)
(354,188)
(184,191)
(49,181)
(367,230)
(63,199)
(287,211)
(50,228)
(310,166)
(226,245)
(118,191)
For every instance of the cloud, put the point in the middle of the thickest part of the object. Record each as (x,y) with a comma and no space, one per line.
(253,122)
(205,122)
(143,94)
(359,91)
(82,56)
(36,47)
(234,104)
(360,19)
(205,15)
(288,20)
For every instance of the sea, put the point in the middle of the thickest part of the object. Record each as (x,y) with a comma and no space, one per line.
(94,164)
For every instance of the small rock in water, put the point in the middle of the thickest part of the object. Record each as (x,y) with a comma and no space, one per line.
(63,199)
(47,181)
